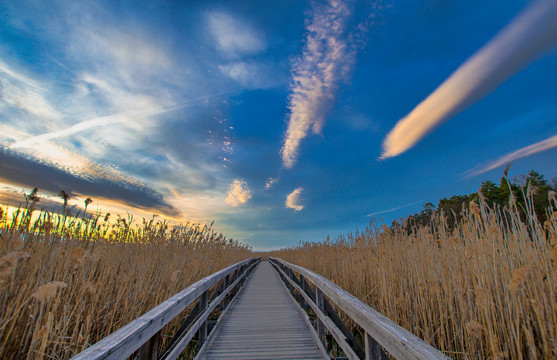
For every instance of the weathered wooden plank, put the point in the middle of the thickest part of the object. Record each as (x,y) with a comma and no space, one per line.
(309,325)
(225,311)
(398,341)
(331,313)
(202,319)
(124,341)
(323,320)
(263,322)
(319,301)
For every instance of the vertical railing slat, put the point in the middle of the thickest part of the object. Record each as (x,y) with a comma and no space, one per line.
(150,350)
(320,302)
(373,350)
(202,333)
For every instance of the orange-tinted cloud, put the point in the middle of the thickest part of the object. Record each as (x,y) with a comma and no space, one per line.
(293,199)
(528,36)
(238,194)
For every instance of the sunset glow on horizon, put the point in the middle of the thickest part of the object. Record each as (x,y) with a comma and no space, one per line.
(280,121)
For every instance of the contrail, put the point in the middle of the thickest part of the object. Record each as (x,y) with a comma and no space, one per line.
(111,119)
(528,36)
(108,120)
(394,209)
(84,125)
(544,145)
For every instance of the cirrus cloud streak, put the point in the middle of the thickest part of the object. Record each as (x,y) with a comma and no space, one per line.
(538,147)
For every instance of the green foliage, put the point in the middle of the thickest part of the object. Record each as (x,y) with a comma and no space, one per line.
(529,193)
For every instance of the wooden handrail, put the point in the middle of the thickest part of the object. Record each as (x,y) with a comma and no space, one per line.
(177,349)
(126,340)
(398,341)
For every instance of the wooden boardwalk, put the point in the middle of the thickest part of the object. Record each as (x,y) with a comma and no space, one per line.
(261,319)
(263,322)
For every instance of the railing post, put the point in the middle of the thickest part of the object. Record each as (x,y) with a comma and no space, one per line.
(202,333)
(231,279)
(307,289)
(225,283)
(149,350)
(301,297)
(289,274)
(320,302)
(373,350)
(297,296)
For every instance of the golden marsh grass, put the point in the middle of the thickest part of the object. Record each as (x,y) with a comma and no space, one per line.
(485,290)
(65,283)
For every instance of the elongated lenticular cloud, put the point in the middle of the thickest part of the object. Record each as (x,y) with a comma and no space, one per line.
(544,145)
(325,60)
(523,40)
(293,199)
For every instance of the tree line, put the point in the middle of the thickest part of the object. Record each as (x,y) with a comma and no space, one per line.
(527,191)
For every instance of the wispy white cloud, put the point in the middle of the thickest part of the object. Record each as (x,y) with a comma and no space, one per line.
(111,69)
(123,76)
(528,36)
(132,50)
(293,199)
(326,59)
(270,182)
(234,36)
(114,83)
(22,92)
(538,147)
(252,74)
(394,209)
(238,194)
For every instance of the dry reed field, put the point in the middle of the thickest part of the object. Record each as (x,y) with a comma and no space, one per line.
(486,290)
(65,283)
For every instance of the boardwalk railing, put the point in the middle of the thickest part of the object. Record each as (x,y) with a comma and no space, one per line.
(380,332)
(143,334)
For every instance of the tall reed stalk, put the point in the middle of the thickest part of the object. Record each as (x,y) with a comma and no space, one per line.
(485,290)
(67,282)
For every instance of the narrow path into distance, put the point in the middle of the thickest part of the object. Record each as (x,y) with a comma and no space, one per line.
(264,323)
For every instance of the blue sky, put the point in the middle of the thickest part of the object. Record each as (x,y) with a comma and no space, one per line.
(283,121)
